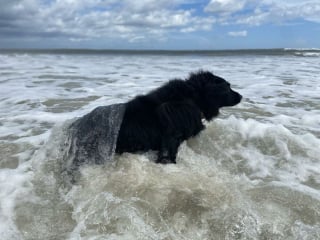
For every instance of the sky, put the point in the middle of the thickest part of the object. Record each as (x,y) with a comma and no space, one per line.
(160,24)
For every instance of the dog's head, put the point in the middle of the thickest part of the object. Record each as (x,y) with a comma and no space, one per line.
(211,93)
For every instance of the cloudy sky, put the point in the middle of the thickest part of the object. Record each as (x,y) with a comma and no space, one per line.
(160,24)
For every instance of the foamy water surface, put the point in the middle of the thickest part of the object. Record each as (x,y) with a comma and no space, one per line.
(254,173)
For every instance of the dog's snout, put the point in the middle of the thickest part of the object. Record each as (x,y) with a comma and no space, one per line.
(237,97)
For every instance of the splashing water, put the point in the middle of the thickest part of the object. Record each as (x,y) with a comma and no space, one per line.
(252,174)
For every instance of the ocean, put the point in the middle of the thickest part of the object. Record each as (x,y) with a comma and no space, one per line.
(254,173)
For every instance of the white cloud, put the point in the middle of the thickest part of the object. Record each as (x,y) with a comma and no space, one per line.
(142,20)
(238,34)
(257,12)
(150,5)
(225,6)
(137,39)
(281,12)
(85,19)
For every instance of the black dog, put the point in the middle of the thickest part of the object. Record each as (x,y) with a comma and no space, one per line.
(160,120)
(164,118)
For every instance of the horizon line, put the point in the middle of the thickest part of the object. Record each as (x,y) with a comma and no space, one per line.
(155,49)
(151,51)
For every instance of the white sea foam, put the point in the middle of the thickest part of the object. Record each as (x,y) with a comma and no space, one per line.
(252,174)
(308,54)
(15,185)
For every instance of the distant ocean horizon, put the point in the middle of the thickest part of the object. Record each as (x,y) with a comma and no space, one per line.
(315,52)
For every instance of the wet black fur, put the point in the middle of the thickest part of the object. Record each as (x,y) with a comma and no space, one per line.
(162,119)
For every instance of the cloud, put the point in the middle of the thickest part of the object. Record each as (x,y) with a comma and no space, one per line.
(85,19)
(238,34)
(136,21)
(225,6)
(280,12)
(258,12)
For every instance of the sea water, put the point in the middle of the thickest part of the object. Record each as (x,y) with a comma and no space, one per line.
(254,173)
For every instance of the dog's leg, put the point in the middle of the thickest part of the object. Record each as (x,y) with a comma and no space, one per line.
(169,149)
(163,154)
(173,149)
(179,121)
